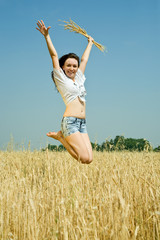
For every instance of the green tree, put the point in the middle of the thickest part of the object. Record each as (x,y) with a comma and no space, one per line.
(61,148)
(107,145)
(157,149)
(119,143)
(131,144)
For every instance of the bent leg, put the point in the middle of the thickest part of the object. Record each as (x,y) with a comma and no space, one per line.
(77,144)
(81,145)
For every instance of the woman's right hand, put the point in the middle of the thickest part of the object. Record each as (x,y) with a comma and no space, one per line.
(42,28)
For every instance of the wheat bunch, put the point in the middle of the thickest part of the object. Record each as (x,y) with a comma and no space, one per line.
(73,27)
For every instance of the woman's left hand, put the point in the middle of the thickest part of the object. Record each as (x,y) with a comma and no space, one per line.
(90,39)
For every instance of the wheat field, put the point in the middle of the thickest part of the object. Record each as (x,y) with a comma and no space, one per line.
(48,195)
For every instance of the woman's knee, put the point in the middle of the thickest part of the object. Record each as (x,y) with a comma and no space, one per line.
(85,158)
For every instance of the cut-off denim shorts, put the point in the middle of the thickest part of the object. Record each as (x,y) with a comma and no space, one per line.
(70,125)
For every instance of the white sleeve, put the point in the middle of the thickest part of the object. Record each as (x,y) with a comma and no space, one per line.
(58,76)
(81,76)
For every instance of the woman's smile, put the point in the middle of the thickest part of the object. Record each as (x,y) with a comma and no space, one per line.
(70,67)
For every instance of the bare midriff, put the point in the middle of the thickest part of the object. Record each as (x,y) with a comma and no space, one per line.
(76,108)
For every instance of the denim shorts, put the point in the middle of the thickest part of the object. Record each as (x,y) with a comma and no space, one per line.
(70,125)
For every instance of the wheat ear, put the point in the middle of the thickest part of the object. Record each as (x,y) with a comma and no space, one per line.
(73,27)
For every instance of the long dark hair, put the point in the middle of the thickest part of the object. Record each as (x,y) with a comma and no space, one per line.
(62,61)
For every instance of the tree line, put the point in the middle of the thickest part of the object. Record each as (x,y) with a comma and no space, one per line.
(120,143)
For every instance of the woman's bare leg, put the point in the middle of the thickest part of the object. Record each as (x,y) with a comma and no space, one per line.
(59,136)
(77,144)
(88,144)
(81,144)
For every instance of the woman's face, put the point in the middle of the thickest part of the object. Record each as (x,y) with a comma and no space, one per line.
(70,67)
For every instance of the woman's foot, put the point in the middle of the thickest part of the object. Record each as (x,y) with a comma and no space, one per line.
(55,135)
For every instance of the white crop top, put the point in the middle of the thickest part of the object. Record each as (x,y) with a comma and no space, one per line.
(68,89)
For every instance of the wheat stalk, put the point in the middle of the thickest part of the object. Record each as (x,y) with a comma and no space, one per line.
(73,27)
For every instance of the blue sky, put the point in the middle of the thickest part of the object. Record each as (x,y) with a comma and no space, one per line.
(123,86)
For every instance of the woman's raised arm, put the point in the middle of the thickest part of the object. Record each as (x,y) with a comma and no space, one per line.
(45,32)
(86,54)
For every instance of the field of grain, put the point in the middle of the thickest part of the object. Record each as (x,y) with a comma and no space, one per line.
(48,195)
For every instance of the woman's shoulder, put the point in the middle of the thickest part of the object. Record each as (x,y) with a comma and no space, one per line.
(58,75)
(58,71)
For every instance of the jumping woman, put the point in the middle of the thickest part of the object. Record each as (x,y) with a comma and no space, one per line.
(68,76)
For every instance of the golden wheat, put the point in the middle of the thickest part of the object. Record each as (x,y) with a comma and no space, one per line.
(73,27)
(49,196)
